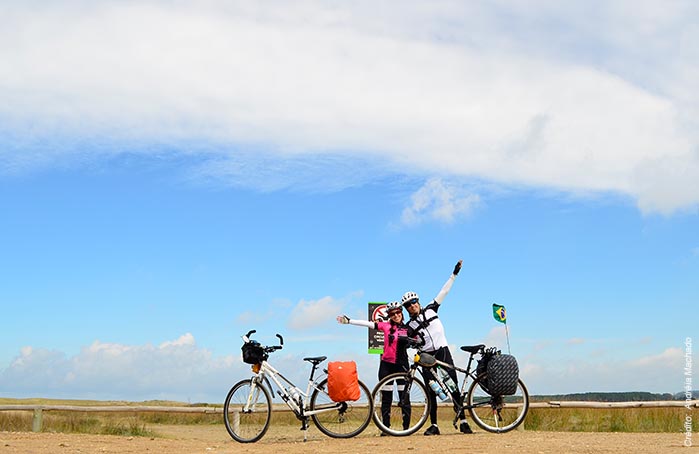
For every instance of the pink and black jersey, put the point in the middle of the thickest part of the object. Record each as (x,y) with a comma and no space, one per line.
(391,352)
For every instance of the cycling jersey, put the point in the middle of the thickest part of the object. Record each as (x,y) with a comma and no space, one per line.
(427,325)
(391,352)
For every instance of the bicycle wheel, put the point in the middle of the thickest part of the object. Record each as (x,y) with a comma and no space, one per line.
(341,419)
(250,426)
(401,406)
(498,414)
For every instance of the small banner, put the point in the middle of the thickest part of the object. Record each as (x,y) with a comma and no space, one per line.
(499,313)
(377,312)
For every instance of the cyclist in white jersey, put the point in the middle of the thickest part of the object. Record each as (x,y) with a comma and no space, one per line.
(425,323)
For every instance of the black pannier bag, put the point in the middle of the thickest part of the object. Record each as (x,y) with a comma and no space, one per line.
(482,370)
(253,353)
(503,375)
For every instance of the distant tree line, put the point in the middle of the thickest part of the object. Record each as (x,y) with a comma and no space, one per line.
(629,396)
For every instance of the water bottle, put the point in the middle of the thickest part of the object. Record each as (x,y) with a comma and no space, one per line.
(438,390)
(295,395)
(446,379)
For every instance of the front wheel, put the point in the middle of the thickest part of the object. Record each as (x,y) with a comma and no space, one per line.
(247,426)
(500,413)
(401,405)
(340,419)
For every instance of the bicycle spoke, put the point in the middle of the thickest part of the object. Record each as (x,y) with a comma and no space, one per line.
(400,405)
(500,413)
(343,420)
(248,425)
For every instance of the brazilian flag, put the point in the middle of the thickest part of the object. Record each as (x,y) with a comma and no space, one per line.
(499,313)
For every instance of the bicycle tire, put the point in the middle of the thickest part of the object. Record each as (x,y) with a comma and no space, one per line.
(347,419)
(247,427)
(498,414)
(419,404)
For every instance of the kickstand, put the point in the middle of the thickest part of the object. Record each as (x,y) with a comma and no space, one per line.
(304,427)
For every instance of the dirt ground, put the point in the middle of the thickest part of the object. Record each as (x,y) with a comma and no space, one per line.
(215,439)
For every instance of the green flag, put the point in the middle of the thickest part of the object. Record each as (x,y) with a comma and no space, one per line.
(499,313)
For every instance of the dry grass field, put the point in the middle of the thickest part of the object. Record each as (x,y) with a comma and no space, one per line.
(654,430)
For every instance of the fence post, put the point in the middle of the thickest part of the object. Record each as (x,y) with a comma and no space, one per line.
(37,422)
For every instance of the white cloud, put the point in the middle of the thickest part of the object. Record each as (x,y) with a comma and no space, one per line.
(307,314)
(445,89)
(659,373)
(576,341)
(438,201)
(183,371)
(178,370)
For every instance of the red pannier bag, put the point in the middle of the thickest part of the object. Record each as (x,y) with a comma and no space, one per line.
(343,384)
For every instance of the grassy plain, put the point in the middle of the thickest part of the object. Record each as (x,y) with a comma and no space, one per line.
(656,420)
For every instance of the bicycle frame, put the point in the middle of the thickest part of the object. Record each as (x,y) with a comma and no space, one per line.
(301,407)
(467,372)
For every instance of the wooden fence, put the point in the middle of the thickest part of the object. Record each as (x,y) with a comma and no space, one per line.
(40,409)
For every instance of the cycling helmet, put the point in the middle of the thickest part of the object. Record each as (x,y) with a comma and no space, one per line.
(393,306)
(409,298)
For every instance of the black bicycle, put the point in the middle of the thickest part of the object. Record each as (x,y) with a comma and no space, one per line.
(247,409)
(410,406)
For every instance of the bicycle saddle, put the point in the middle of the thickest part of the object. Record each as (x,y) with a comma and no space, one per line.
(472,348)
(315,360)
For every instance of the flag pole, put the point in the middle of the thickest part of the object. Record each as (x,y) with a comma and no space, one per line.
(507,333)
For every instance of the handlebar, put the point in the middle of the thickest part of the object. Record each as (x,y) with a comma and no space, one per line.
(411,341)
(268,349)
(246,338)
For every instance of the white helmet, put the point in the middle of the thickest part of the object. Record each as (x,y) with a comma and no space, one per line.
(392,306)
(409,298)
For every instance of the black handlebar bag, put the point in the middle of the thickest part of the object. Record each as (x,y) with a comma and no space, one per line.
(253,353)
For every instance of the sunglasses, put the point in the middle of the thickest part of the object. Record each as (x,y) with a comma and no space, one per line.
(407,304)
(391,314)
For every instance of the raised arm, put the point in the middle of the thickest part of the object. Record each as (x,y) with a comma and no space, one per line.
(344,320)
(447,286)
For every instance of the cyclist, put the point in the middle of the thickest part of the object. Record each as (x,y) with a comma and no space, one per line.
(394,357)
(425,323)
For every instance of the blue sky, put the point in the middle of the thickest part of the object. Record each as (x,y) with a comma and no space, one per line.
(172,176)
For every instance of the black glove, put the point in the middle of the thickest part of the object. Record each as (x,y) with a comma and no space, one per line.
(457,268)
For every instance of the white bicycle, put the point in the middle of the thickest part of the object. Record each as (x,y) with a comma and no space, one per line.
(248,407)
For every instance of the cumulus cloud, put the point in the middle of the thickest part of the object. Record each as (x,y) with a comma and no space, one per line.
(321,86)
(653,373)
(438,201)
(177,369)
(309,313)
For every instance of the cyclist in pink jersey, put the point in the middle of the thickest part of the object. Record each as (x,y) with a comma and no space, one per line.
(394,357)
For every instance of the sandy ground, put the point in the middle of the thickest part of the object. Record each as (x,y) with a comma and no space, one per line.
(215,439)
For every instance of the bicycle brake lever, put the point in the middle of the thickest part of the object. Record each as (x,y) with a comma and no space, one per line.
(281,340)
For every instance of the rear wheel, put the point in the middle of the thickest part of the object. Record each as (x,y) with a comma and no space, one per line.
(500,413)
(247,426)
(401,406)
(340,419)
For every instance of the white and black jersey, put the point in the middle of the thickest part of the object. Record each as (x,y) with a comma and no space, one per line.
(428,326)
